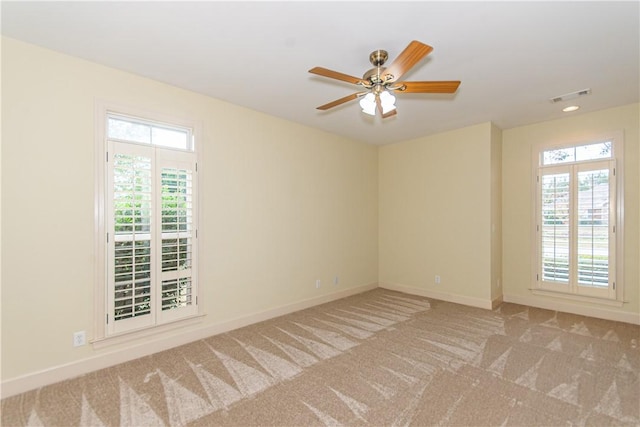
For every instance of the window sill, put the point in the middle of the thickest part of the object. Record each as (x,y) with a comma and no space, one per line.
(149,332)
(578,298)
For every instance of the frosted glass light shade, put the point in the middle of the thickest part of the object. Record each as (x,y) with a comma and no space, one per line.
(387,102)
(368,104)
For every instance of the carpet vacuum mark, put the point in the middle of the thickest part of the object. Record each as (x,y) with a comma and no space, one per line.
(380,358)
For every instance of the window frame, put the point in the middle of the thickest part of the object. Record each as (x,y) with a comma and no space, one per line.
(102,335)
(614,294)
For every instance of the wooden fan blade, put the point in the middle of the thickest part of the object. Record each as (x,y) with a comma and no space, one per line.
(429,87)
(409,57)
(335,75)
(340,101)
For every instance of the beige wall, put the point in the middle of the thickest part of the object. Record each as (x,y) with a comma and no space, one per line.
(282,205)
(435,213)
(517,202)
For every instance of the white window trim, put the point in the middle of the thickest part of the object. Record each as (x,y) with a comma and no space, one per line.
(100,337)
(617,137)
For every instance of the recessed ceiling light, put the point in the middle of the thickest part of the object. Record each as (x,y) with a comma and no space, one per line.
(570,108)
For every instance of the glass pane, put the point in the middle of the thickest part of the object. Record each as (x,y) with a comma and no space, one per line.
(128,131)
(593,228)
(563,155)
(170,138)
(601,150)
(555,227)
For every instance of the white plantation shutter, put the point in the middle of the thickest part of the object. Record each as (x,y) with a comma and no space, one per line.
(554,230)
(595,251)
(176,233)
(576,228)
(130,247)
(151,232)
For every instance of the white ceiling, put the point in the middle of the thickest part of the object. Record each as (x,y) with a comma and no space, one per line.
(510,56)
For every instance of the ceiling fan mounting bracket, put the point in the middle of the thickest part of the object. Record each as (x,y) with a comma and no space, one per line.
(378,57)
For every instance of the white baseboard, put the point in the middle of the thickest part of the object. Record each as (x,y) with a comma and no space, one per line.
(67,371)
(567,307)
(443,296)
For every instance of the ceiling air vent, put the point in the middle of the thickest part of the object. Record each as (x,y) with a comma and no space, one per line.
(571,95)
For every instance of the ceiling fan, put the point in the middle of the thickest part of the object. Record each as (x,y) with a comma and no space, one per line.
(381,82)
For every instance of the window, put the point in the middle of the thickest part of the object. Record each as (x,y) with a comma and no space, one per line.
(150,221)
(577,220)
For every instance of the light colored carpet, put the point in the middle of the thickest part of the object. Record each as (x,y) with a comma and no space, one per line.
(380,358)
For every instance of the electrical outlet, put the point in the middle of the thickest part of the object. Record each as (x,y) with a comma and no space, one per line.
(336,280)
(317,283)
(437,279)
(79,338)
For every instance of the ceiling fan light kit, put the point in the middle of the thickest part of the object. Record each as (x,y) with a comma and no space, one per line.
(370,101)
(381,82)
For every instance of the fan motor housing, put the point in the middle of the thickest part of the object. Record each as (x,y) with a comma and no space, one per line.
(373,75)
